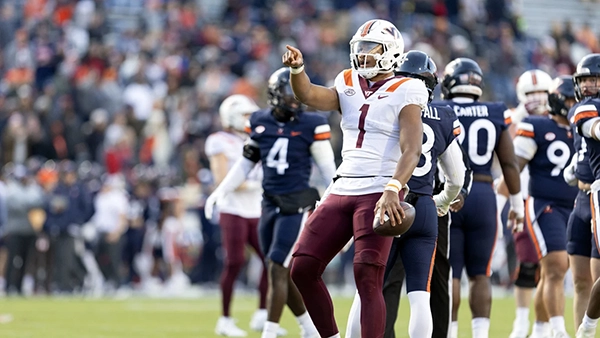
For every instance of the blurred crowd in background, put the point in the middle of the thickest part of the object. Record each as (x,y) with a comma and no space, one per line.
(105,106)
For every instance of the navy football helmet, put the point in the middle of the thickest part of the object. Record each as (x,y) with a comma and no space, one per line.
(462,76)
(562,89)
(281,97)
(419,65)
(589,66)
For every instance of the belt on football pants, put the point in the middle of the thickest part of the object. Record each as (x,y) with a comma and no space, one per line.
(483,178)
(337,177)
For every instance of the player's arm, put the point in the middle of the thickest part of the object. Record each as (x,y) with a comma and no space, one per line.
(569,172)
(322,153)
(235,177)
(454,169)
(511,170)
(319,97)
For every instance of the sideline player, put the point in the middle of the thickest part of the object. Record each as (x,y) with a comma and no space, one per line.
(440,128)
(285,140)
(586,120)
(239,209)
(382,133)
(473,229)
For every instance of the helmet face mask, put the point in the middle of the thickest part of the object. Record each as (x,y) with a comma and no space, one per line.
(375,48)
(586,77)
(533,87)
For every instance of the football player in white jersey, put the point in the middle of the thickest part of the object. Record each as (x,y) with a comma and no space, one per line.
(382,134)
(533,87)
(239,210)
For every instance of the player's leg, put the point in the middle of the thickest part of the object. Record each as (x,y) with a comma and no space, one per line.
(233,238)
(541,326)
(457,262)
(548,232)
(480,240)
(587,329)
(259,318)
(328,229)
(579,249)
(527,278)
(370,256)
(392,288)
(441,282)
(417,250)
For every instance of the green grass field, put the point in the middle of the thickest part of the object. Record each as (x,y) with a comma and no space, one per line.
(135,317)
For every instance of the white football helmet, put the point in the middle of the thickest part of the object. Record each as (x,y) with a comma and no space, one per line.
(233,109)
(379,39)
(528,87)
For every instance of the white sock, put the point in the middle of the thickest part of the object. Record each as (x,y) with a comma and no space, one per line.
(353,326)
(558,324)
(306,323)
(539,328)
(480,327)
(337,335)
(588,322)
(270,330)
(522,314)
(421,322)
(454,330)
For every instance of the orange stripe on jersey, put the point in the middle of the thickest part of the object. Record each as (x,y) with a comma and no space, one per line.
(534,239)
(247,129)
(456,131)
(525,133)
(584,114)
(507,120)
(367,28)
(533,78)
(323,136)
(594,221)
(348,77)
(431,268)
(397,84)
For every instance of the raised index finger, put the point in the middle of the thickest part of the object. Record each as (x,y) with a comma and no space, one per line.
(294,50)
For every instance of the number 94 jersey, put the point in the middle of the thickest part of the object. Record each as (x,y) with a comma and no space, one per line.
(285,148)
(549,147)
(440,128)
(481,126)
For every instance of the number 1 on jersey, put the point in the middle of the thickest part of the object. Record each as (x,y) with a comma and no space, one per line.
(364,109)
(279,150)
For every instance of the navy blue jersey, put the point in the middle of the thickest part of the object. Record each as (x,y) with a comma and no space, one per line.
(440,127)
(285,149)
(584,111)
(548,158)
(583,172)
(481,125)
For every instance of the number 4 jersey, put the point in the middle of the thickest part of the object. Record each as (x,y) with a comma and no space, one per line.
(549,147)
(371,147)
(285,148)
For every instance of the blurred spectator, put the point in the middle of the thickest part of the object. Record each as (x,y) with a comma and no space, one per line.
(110,218)
(25,219)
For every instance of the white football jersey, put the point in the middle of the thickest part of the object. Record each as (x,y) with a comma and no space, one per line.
(370,129)
(244,203)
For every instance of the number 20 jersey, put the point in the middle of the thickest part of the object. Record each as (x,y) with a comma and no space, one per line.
(481,126)
(549,148)
(370,122)
(285,148)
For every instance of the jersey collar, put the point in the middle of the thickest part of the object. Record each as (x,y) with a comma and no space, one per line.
(462,100)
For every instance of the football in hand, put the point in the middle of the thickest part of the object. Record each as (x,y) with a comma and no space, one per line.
(386,229)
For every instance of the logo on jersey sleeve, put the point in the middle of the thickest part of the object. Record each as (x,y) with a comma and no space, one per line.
(550,136)
(349,92)
(259,129)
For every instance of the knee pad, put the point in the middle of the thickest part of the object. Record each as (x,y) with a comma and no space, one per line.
(528,275)
(368,256)
(306,268)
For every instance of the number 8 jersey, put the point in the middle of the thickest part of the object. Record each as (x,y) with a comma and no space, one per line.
(370,128)
(549,147)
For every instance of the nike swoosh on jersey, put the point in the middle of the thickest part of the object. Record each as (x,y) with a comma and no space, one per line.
(382,96)
(296,133)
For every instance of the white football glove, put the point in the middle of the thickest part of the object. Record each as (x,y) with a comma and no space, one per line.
(442,208)
(569,173)
(209,206)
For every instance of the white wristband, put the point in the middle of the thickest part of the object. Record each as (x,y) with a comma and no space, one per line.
(297,70)
(391,188)
(517,204)
(395,183)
